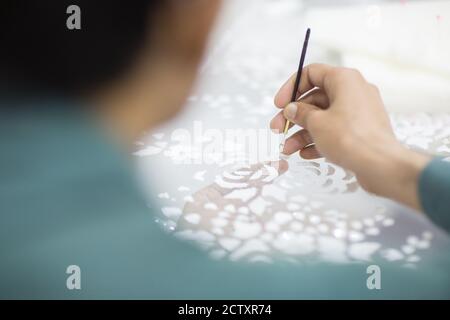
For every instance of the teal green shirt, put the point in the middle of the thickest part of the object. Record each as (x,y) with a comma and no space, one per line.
(434,192)
(67,197)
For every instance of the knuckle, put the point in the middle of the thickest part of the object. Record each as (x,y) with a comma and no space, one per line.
(353,73)
(347,75)
(332,76)
(374,88)
(335,73)
(340,74)
(313,65)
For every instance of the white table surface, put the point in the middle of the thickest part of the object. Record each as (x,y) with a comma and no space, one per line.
(315,210)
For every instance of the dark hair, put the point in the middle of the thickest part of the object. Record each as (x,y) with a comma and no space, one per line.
(39,51)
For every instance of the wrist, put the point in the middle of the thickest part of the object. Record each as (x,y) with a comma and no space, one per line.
(393,171)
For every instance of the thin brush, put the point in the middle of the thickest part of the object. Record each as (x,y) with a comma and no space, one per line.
(296,85)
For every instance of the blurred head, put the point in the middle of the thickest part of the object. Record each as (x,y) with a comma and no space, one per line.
(133,62)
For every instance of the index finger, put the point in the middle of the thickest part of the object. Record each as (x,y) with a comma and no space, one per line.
(313,75)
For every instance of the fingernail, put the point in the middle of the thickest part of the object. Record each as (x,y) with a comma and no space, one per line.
(290,111)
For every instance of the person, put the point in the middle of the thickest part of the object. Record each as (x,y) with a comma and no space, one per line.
(72,103)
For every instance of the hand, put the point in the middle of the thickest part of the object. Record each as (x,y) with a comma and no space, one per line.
(343,119)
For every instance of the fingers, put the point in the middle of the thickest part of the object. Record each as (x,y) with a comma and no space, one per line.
(278,122)
(303,114)
(316,97)
(302,142)
(313,75)
(283,96)
(297,141)
(310,152)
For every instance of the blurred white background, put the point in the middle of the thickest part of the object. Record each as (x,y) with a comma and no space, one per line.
(402,46)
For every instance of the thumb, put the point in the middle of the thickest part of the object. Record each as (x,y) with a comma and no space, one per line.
(301,113)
